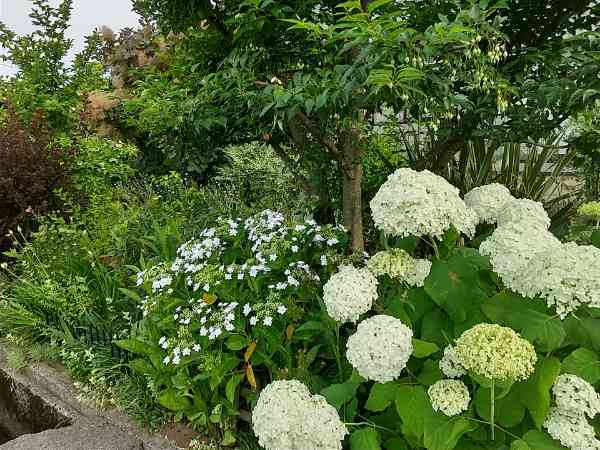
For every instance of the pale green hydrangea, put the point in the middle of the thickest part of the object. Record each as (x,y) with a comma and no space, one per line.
(399,265)
(496,352)
(349,293)
(450,364)
(524,210)
(380,348)
(576,395)
(287,417)
(487,201)
(571,429)
(590,209)
(451,397)
(412,203)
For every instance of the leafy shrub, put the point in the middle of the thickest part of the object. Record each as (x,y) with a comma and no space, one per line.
(475,365)
(29,172)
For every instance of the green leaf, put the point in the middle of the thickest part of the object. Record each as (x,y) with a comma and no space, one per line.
(173,400)
(339,394)
(135,346)
(431,372)
(442,432)
(142,366)
(595,238)
(583,332)
(534,393)
(373,6)
(365,439)
(236,342)
(412,406)
(519,445)
(455,285)
(381,396)
(395,444)
(547,333)
(584,363)
(232,385)
(509,410)
(422,349)
(536,440)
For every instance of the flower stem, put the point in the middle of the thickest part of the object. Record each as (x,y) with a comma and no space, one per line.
(492,400)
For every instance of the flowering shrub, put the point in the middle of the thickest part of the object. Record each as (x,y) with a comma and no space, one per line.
(412,348)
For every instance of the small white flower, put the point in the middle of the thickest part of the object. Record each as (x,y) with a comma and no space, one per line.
(331,242)
(268,321)
(295,249)
(196,347)
(186,351)
(166,360)
(281,309)
(323,260)
(247,309)
(253,320)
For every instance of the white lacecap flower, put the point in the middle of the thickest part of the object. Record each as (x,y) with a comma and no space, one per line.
(450,397)
(496,352)
(450,364)
(412,203)
(524,210)
(571,429)
(487,201)
(349,293)
(513,248)
(567,276)
(380,348)
(576,395)
(398,264)
(287,416)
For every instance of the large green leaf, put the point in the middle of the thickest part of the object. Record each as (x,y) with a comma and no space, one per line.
(381,396)
(365,439)
(135,346)
(423,349)
(339,394)
(527,317)
(174,400)
(583,332)
(443,432)
(412,406)
(536,440)
(534,393)
(509,411)
(584,363)
(455,285)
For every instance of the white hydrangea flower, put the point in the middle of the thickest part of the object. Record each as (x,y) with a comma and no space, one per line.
(412,203)
(512,248)
(576,395)
(398,264)
(349,293)
(451,397)
(287,417)
(571,429)
(450,364)
(496,352)
(524,210)
(567,277)
(380,348)
(487,201)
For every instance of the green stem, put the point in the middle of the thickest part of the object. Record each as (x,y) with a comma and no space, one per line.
(337,350)
(492,400)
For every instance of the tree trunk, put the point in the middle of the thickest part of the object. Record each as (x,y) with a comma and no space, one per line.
(352,172)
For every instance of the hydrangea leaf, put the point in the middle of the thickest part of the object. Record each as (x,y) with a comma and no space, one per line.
(523,315)
(584,363)
(509,411)
(395,444)
(583,332)
(339,394)
(519,445)
(442,432)
(455,285)
(173,400)
(431,372)
(412,406)
(423,349)
(536,440)
(381,396)
(534,393)
(436,327)
(365,439)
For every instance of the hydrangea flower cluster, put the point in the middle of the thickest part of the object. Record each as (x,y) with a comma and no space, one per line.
(571,429)
(451,397)
(399,265)
(380,348)
(488,201)
(524,210)
(287,416)
(450,364)
(412,203)
(238,275)
(514,247)
(574,394)
(496,353)
(349,293)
